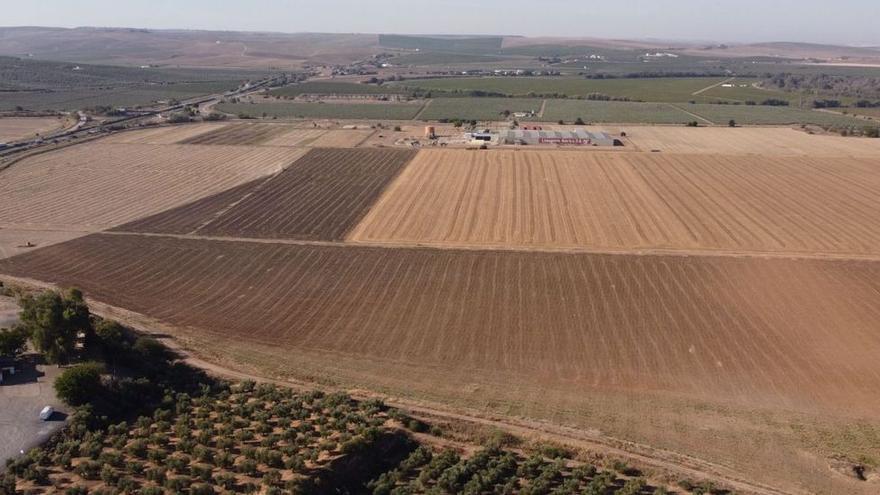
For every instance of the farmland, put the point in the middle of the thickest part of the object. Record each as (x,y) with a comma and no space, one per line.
(630,201)
(642,89)
(101,185)
(757,141)
(16,128)
(333,87)
(320,197)
(243,134)
(286,110)
(510,317)
(477,108)
(613,111)
(764,115)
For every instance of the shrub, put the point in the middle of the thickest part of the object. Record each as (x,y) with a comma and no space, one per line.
(79,384)
(76,490)
(152,490)
(178,484)
(201,489)
(89,469)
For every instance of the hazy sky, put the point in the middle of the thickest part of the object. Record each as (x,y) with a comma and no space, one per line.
(841,21)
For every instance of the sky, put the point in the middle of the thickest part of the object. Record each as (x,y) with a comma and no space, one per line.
(853,22)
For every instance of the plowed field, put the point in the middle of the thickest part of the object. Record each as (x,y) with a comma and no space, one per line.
(96,186)
(795,333)
(625,201)
(320,197)
(239,134)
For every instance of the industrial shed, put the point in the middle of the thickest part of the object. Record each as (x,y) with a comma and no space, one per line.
(579,137)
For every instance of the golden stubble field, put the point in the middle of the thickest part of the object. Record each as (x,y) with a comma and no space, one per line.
(631,201)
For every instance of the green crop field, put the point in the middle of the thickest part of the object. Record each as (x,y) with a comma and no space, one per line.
(614,112)
(383,111)
(647,89)
(478,108)
(334,87)
(743,91)
(444,58)
(757,115)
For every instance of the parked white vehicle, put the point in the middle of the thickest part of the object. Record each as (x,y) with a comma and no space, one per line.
(47,413)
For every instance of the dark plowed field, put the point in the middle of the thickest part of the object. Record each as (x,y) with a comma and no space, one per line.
(186,219)
(242,134)
(792,333)
(321,196)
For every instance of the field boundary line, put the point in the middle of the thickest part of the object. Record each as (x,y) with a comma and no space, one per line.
(235,203)
(656,457)
(365,139)
(691,114)
(427,104)
(701,91)
(686,253)
(543,107)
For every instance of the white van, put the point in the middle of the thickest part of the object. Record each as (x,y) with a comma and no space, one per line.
(47,413)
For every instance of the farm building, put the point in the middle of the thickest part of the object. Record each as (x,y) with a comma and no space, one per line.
(577,137)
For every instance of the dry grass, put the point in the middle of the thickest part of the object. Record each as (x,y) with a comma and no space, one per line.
(163,135)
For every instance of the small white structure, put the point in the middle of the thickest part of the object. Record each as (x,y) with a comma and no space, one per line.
(47,413)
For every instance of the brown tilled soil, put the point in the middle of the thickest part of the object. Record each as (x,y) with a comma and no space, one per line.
(798,334)
(320,197)
(239,134)
(631,201)
(187,219)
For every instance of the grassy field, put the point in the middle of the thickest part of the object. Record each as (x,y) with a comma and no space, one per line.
(385,111)
(613,112)
(442,58)
(660,89)
(334,87)
(478,108)
(757,115)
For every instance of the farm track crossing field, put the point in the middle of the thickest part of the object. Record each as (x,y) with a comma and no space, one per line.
(631,201)
(320,197)
(238,134)
(789,333)
(766,115)
(97,185)
(666,89)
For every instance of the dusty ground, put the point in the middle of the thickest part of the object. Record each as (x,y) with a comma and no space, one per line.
(631,201)
(19,128)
